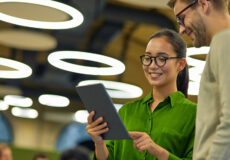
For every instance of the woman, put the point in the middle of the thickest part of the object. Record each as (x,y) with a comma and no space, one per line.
(162,124)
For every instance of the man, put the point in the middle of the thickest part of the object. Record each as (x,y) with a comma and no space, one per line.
(40,156)
(5,152)
(207,22)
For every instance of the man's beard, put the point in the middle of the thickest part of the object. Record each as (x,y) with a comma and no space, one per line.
(200,32)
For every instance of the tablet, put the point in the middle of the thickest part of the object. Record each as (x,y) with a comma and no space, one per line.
(95,98)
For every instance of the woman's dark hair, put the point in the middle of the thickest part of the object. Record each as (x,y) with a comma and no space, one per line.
(180,48)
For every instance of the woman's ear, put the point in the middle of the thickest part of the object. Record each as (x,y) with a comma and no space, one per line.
(182,64)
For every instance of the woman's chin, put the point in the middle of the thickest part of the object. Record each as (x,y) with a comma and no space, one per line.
(156,83)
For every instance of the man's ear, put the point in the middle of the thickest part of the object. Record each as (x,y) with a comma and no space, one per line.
(182,64)
(205,5)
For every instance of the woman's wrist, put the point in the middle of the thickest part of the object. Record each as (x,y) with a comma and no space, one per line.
(101,151)
(160,153)
(164,155)
(99,144)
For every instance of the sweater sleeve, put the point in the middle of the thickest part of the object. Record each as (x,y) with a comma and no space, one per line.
(221,64)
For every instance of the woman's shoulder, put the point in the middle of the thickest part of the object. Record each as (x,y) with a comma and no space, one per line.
(183,104)
(189,103)
(184,108)
(178,98)
(187,106)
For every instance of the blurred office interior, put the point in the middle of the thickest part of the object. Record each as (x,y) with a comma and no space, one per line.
(118,29)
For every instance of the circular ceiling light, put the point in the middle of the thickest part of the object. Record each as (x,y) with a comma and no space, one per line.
(53,100)
(196,62)
(3,105)
(81,116)
(195,74)
(117,89)
(24,112)
(193,88)
(76,20)
(197,68)
(118,106)
(56,59)
(19,101)
(21,70)
(195,51)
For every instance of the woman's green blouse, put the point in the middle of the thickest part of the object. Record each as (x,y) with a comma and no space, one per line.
(171,125)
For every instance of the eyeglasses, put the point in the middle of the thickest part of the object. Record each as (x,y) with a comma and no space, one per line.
(179,19)
(160,61)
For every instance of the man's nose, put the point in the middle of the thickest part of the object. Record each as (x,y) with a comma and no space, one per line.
(182,30)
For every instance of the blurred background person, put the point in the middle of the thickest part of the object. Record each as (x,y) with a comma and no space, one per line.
(78,153)
(41,156)
(5,152)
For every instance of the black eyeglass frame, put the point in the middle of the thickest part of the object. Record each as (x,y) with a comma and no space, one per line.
(179,20)
(151,57)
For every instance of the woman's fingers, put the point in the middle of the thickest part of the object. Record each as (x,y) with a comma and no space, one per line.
(135,135)
(99,127)
(95,123)
(99,132)
(90,117)
(142,143)
(141,138)
(95,127)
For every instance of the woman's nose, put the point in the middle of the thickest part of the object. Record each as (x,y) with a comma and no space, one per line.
(153,64)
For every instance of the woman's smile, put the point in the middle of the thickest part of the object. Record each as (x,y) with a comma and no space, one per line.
(155,75)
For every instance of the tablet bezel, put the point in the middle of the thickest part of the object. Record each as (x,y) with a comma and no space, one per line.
(95,98)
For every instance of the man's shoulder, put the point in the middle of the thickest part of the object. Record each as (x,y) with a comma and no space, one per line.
(222,35)
(220,42)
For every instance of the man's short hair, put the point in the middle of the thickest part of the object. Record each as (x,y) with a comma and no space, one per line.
(218,4)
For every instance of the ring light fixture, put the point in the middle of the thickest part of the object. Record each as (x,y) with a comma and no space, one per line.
(24,112)
(193,88)
(53,100)
(197,67)
(18,101)
(195,51)
(81,116)
(118,106)
(77,17)
(117,89)
(3,105)
(56,59)
(22,70)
